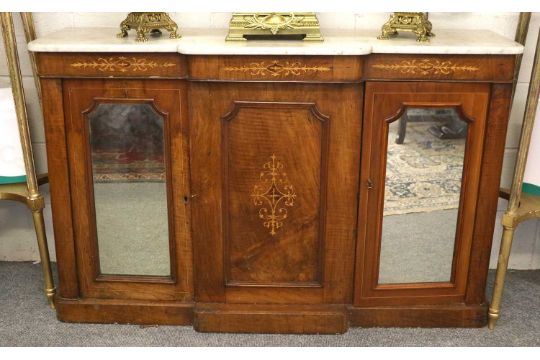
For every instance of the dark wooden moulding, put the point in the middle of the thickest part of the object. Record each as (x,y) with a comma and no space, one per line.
(230,112)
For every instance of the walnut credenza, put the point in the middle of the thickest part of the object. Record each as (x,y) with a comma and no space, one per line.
(266,173)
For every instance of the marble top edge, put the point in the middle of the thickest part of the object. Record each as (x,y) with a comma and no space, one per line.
(336,42)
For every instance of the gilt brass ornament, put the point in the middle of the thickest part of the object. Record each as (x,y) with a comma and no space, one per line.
(273,194)
(148,22)
(522,206)
(274,26)
(26,192)
(417,22)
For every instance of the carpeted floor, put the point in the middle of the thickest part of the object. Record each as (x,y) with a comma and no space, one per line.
(25,320)
(132,225)
(417,247)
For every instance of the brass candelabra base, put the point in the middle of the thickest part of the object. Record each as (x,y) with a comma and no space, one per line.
(148,22)
(417,22)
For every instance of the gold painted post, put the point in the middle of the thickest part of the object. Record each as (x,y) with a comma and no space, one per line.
(30,35)
(518,210)
(32,198)
(521,37)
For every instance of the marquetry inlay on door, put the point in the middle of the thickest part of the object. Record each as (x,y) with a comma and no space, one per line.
(273,195)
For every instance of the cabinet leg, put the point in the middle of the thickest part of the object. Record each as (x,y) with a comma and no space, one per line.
(39,224)
(502,266)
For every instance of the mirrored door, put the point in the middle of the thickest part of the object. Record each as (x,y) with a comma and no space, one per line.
(129,185)
(420,175)
(130,192)
(422,191)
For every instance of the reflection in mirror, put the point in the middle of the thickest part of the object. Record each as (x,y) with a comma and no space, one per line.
(424,171)
(130,194)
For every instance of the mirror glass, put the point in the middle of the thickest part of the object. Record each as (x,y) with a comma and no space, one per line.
(424,170)
(130,194)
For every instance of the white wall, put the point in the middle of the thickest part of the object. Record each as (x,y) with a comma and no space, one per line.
(17,239)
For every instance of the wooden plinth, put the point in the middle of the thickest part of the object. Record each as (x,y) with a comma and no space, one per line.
(274,319)
(473,316)
(124,312)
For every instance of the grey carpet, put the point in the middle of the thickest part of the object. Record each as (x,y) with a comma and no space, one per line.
(418,247)
(25,320)
(132,225)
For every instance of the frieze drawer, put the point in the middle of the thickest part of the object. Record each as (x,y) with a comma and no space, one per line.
(111,65)
(440,67)
(276,68)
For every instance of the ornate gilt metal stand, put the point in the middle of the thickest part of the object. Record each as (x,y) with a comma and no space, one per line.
(303,26)
(148,22)
(26,193)
(417,22)
(521,206)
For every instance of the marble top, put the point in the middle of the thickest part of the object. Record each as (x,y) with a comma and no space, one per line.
(336,42)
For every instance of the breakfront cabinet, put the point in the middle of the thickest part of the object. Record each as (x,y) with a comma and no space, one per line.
(241,189)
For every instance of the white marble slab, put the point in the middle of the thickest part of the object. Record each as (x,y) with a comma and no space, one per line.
(336,42)
(212,42)
(99,40)
(447,42)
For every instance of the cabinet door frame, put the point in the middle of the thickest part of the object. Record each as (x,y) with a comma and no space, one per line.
(384,103)
(208,140)
(167,98)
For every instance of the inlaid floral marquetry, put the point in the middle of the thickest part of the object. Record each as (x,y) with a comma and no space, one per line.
(427,67)
(273,194)
(275,68)
(121,64)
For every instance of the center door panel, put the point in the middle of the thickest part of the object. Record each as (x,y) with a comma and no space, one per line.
(274,181)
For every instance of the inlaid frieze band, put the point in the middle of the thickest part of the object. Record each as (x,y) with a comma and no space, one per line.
(274,194)
(275,68)
(121,64)
(427,67)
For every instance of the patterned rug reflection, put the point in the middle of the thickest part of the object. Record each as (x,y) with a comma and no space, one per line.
(127,143)
(127,166)
(423,174)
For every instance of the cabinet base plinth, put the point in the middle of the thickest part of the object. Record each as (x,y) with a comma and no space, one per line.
(275,319)
(123,312)
(471,316)
(267,318)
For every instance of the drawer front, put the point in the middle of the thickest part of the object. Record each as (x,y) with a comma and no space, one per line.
(164,65)
(276,68)
(499,68)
